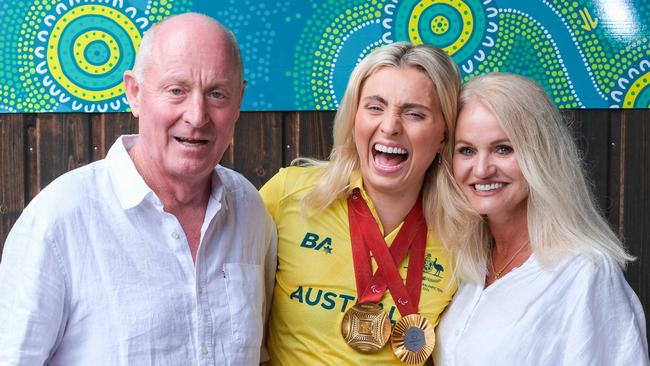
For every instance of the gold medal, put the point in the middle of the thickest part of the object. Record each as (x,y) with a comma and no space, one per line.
(413,339)
(366,327)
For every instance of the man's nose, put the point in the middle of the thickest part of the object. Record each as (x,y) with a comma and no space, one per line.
(196,113)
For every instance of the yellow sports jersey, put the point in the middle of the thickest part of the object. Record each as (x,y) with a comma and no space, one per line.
(315,281)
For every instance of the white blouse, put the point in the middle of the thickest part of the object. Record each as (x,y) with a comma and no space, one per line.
(580,312)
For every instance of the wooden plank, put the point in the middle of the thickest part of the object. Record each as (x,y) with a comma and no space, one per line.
(307,134)
(97,136)
(256,150)
(290,137)
(12,172)
(32,178)
(616,178)
(106,128)
(591,132)
(63,144)
(636,205)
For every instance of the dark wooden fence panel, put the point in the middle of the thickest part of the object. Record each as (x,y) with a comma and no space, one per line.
(635,200)
(12,170)
(256,151)
(35,149)
(106,128)
(591,131)
(307,134)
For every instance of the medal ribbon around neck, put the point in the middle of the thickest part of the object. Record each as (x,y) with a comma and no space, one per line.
(366,238)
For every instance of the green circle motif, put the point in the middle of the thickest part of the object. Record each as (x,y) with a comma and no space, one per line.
(440,25)
(97,53)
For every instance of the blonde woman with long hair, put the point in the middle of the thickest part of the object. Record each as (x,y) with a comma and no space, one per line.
(541,270)
(337,220)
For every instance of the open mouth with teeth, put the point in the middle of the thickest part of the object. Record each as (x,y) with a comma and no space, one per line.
(190,142)
(389,157)
(487,187)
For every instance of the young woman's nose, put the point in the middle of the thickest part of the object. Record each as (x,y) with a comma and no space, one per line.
(391,125)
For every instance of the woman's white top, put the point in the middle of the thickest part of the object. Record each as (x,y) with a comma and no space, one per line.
(579,312)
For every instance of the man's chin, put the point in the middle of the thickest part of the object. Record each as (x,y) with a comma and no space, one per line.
(189,170)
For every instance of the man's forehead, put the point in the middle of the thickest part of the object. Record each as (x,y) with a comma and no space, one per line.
(192,73)
(192,48)
(191,38)
(190,28)
(193,52)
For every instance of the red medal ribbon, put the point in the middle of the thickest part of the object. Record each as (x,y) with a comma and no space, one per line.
(366,237)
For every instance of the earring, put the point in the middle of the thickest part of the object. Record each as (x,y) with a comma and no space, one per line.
(439,158)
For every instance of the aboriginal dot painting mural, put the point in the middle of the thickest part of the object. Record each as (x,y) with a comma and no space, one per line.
(69,55)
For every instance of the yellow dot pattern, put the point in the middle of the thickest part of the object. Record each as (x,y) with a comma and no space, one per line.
(323,47)
(82,42)
(460,6)
(635,90)
(53,45)
(440,25)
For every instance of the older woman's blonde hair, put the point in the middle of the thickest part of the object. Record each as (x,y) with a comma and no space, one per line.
(344,159)
(562,216)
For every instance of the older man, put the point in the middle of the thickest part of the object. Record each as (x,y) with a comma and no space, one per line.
(152,256)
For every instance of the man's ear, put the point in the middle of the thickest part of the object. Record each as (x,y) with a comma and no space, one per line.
(132,89)
(243,88)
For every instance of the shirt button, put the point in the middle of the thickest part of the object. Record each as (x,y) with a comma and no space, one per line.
(175,235)
(204,350)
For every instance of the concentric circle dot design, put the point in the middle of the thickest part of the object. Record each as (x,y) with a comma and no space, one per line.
(440,24)
(89,49)
(96,51)
(418,15)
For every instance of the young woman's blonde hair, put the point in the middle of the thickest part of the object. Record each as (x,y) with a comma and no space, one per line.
(344,159)
(561,212)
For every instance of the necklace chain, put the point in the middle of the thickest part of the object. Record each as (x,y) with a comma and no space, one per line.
(497,274)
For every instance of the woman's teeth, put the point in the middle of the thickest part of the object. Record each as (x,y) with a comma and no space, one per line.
(389,150)
(487,187)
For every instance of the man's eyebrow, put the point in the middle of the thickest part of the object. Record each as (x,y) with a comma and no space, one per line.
(184,81)
(174,79)
(217,84)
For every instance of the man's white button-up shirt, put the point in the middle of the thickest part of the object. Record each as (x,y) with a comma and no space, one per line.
(95,272)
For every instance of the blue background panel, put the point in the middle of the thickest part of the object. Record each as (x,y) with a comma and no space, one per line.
(69,55)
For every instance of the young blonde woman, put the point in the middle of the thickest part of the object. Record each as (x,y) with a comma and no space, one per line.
(339,220)
(541,270)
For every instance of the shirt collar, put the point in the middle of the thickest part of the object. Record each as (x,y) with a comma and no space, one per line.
(356,181)
(131,188)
